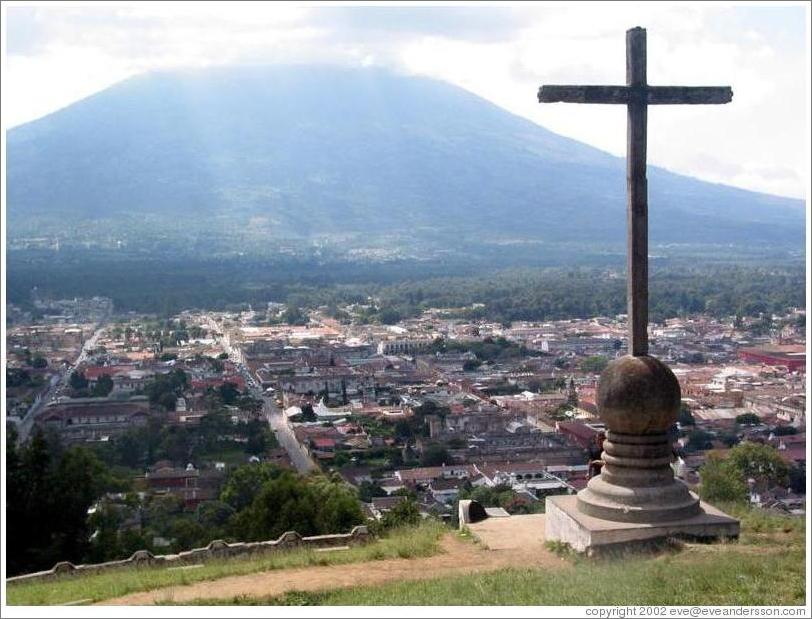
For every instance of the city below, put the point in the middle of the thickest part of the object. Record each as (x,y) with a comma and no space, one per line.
(431,408)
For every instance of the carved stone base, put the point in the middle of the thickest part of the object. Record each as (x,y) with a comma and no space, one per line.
(637,483)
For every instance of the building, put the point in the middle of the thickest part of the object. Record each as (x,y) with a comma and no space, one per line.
(94,372)
(544,447)
(523,476)
(586,437)
(189,484)
(403,347)
(792,356)
(425,475)
(445,490)
(94,419)
(382,505)
(334,380)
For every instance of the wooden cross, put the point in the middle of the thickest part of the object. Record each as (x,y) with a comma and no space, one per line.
(637,95)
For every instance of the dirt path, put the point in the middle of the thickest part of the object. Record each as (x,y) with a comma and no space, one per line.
(457,557)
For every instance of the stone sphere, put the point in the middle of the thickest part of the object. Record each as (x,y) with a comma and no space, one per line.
(638,395)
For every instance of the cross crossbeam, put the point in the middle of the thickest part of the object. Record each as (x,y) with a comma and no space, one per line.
(636,95)
(653,95)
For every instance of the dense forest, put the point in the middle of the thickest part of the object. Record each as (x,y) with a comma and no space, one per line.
(390,291)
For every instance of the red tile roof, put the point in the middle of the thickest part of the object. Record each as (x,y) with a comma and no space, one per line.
(323,442)
(93,372)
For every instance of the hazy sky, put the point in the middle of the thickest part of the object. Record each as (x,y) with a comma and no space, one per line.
(58,54)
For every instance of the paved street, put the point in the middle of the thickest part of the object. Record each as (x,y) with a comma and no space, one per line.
(275,417)
(55,390)
(286,438)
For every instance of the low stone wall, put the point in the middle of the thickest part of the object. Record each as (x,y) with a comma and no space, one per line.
(470,512)
(217,549)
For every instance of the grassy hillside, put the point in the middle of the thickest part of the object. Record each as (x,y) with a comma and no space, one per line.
(421,541)
(766,567)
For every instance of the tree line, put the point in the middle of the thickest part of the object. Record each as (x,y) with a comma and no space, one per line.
(51,490)
(390,292)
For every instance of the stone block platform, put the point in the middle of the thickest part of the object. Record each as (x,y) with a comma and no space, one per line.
(512,533)
(565,523)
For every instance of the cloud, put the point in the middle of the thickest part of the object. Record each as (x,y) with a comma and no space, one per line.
(27,34)
(58,54)
(470,23)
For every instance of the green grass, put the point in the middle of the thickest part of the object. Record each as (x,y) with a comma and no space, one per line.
(766,567)
(421,541)
(730,578)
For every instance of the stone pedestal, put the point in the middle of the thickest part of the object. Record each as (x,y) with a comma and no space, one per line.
(636,496)
(583,533)
(637,482)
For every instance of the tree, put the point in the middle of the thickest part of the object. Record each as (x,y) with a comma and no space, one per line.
(797,479)
(247,403)
(404,514)
(77,381)
(188,534)
(293,315)
(160,513)
(130,450)
(223,356)
(389,316)
(168,400)
(572,394)
(595,364)
(214,515)
(699,440)
(308,414)
(176,444)
(103,386)
(39,362)
(131,540)
(726,479)
(244,482)
(469,365)
(369,490)
(686,417)
(784,430)
(16,485)
(760,462)
(17,377)
(434,455)
(720,482)
(282,504)
(256,441)
(403,429)
(228,392)
(163,386)
(339,509)
(289,502)
(496,496)
(49,492)
(748,419)
(457,442)
(104,524)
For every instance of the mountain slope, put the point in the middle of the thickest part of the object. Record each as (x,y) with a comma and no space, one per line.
(313,150)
